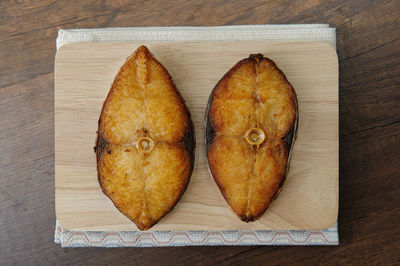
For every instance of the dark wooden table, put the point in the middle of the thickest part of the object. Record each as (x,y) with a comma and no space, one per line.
(368,41)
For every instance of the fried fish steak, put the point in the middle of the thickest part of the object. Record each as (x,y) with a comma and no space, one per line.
(252,119)
(145,141)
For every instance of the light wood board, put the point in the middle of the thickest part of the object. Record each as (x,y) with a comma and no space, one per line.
(83,76)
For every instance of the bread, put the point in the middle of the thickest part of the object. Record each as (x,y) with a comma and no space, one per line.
(145,142)
(251,126)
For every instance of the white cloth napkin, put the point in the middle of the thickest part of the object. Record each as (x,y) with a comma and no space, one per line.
(298,32)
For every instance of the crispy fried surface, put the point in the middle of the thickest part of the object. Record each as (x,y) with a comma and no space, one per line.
(143,102)
(253,94)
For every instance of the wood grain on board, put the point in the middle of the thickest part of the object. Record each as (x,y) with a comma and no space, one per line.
(83,75)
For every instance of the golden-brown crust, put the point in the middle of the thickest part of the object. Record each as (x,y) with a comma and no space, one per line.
(129,113)
(252,94)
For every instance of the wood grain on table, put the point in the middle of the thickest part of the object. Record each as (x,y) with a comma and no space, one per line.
(368,42)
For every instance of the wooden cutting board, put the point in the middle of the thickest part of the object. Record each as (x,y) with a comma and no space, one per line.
(83,75)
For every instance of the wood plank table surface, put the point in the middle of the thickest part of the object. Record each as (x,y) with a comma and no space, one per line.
(368,42)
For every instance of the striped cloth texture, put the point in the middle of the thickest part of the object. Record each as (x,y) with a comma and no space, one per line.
(297,32)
